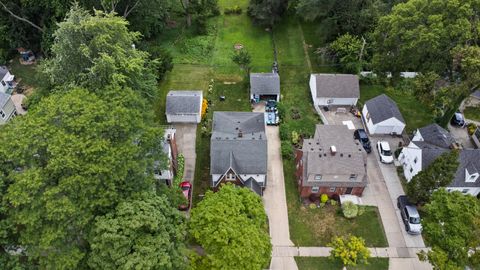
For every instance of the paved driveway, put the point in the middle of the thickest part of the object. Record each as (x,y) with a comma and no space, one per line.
(186,137)
(461,136)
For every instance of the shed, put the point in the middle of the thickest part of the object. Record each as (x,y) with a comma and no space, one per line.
(184,106)
(265,86)
(382,116)
(334,89)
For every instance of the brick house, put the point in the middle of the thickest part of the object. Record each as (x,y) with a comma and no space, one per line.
(332,162)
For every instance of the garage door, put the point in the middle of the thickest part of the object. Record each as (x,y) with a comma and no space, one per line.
(268,97)
(384,129)
(182,119)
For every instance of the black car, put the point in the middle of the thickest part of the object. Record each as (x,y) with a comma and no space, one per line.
(271,104)
(361,135)
(458,120)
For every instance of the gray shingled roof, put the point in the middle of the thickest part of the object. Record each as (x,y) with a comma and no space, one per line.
(3,71)
(337,85)
(436,135)
(429,152)
(349,159)
(476,94)
(265,83)
(381,108)
(468,159)
(246,154)
(4,98)
(184,102)
(253,185)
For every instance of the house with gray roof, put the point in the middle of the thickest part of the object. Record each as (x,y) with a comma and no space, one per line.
(331,162)
(7,80)
(238,150)
(382,116)
(184,106)
(7,108)
(334,89)
(431,141)
(264,86)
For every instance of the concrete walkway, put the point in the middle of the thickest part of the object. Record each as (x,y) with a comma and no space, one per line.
(410,253)
(186,136)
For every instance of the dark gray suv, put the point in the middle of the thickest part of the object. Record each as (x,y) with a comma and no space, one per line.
(410,215)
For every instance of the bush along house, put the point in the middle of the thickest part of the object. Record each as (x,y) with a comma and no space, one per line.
(331,163)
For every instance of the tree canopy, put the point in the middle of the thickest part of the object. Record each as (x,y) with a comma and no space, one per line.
(267,12)
(451,227)
(231,227)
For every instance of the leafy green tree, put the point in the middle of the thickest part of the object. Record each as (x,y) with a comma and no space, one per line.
(424,87)
(231,227)
(419,35)
(347,50)
(466,61)
(74,157)
(350,250)
(95,51)
(267,12)
(142,233)
(243,60)
(451,227)
(439,173)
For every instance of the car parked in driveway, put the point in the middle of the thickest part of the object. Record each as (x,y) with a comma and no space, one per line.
(410,215)
(361,135)
(385,152)
(458,120)
(186,188)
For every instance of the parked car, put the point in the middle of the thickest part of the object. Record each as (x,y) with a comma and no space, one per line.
(271,104)
(410,215)
(458,119)
(361,135)
(186,188)
(384,151)
(271,118)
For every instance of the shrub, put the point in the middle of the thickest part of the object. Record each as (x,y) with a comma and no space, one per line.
(361,209)
(471,127)
(324,198)
(281,110)
(233,10)
(350,250)
(350,210)
(333,202)
(322,205)
(284,133)
(312,206)
(287,150)
(295,137)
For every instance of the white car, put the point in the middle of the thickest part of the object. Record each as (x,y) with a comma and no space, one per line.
(384,151)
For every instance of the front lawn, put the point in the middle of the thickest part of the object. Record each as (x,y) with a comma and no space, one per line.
(414,112)
(315,263)
(472,113)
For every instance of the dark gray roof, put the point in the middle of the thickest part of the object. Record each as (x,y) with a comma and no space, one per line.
(253,185)
(3,71)
(4,98)
(476,94)
(184,102)
(382,107)
(239,142)
(468,159)
(436,135)
(265,83)
(429,152)
(337,85)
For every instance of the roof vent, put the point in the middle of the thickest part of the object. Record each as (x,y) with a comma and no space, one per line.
(341,154)
(333,150)
(349,155)
(240,133)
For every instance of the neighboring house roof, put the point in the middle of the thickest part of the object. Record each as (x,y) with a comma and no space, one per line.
(265,83)
(430,152)
(436,135)
(239,142)
(468,159)
(381,108)
(253,185)
(349,158)
(3,71)
(476,94)
(337,85)
(184,102)
(4,98)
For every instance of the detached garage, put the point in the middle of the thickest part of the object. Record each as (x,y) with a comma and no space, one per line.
(184,106)
(334,89)
(382,116)
(264,86)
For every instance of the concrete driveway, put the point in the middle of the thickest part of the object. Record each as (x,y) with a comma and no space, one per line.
(461,136)
(186,136)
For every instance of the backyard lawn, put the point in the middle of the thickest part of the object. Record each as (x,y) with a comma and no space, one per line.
(472,113)
(415,113)
(316,263)
(26,75)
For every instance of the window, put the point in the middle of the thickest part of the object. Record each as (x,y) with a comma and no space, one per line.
(332,189)
(465,191)
(315,189)
(353,177)
(449,189)
(318,177)
(411,169)
(415,160)
(368,116)
(2,113)
(230,177)
(3,83)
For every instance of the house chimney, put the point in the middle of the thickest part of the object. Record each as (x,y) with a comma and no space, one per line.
(333,150)
(240,133)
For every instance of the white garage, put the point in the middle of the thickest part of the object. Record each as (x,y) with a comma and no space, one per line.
(382,116)
(334,89)
(184,106)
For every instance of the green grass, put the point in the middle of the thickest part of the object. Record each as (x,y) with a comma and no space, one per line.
(288,40)
(414,112)
(26,74)
(314,39)
(472,113)
(321,263)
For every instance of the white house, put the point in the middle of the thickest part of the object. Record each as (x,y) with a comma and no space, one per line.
(6,80)
(7,108)
(382,116)
(184,106)
(427,144)
(334,89)
(264,86)
(169,148)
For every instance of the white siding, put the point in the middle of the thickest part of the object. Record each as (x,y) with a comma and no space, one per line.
(392,125)
(9,110)
(474,191)
(260,178)
(324,101)
(3,87)
(407,158)
(313,89)
(183,118)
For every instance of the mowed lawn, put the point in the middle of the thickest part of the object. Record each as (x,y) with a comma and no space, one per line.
(472,113)
(321,263)
(414,112)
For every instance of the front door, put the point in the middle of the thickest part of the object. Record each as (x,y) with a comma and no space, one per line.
(349,190)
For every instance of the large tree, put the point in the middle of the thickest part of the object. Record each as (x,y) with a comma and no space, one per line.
(348,51)
(231,227)
(267,12)
(438,174)
(73,157)
(451,225)
(419,35)
(142,233)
